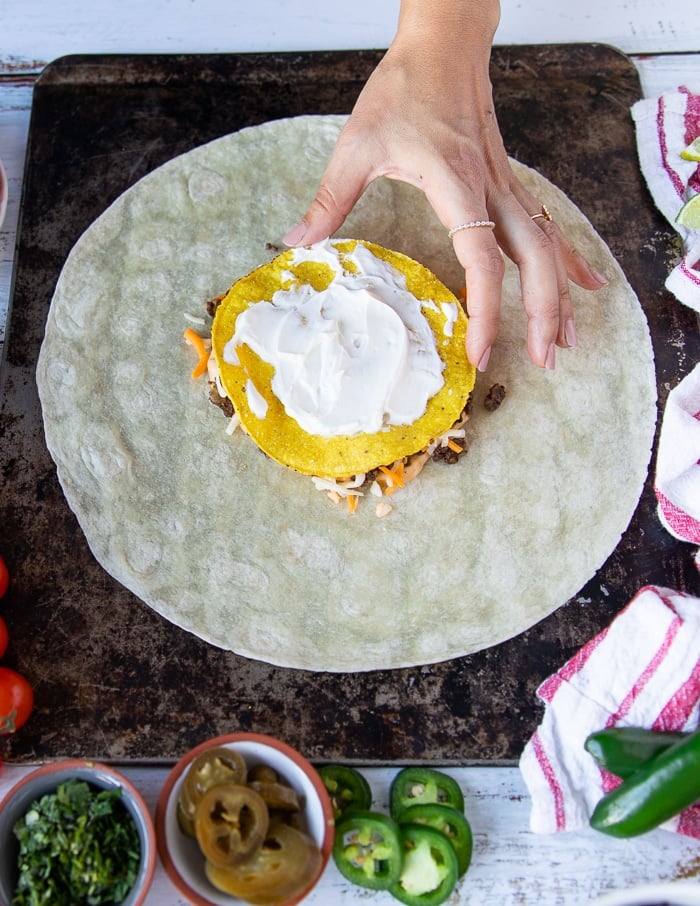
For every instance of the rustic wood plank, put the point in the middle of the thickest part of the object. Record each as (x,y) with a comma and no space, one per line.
(34,31)
(510,865)
(15,104)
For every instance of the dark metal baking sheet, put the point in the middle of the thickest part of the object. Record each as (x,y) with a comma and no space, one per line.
(114,680)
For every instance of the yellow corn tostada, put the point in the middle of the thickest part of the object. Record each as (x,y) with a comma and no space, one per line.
(342,357)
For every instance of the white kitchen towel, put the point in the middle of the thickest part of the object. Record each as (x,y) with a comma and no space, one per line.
(677,479)
(664,127)
(642,671)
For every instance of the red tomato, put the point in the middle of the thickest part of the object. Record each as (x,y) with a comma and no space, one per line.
(16,700)
(4,637)
(4,577)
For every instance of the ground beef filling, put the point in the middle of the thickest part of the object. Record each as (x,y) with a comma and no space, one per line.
(494,398)
(223,402)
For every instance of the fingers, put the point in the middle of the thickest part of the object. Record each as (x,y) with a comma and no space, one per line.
(547,262)
(346,177)
(544,257)
(566,337)
(547,299)
(577,267)
(543,281)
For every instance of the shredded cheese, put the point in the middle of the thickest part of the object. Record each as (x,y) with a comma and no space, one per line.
(394,474)
(342,489)
(392,477)
(233,423)
(195,319)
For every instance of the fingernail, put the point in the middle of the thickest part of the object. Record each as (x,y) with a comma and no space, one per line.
(570,334)
(296,234)
(484,360)
(549,361)
(601,278)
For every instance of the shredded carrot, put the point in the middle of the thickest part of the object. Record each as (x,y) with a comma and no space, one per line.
(395,475)
(351,502)
(385,470)
(195,340)
(455,447)
(463,294)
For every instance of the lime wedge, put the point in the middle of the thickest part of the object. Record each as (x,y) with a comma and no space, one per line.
(692,152)
(689,214)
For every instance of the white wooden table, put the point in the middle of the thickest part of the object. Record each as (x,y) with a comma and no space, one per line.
(510,865)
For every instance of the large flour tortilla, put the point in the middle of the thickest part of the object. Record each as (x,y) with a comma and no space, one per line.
(247,554)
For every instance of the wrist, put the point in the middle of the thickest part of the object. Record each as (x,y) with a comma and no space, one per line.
(450,23)
(447,42)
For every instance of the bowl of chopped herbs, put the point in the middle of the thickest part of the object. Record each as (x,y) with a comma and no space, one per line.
(75,832)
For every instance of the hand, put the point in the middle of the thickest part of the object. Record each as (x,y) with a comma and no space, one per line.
(426,117)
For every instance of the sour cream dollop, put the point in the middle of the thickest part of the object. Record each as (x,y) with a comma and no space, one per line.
(354,358)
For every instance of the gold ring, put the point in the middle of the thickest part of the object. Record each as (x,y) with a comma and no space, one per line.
(544,214)
(468,226)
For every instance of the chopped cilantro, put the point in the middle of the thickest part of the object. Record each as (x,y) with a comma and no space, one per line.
(78,845)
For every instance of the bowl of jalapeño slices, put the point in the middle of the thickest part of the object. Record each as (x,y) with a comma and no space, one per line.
(244,817)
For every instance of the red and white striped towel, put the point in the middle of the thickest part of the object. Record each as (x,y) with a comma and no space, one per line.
(664,126)
(642,671)
(677,479)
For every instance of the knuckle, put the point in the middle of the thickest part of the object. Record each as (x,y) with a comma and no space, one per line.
(565,301)
(326,202)
(545,240)
(486,260)
(492,262)
(546,315)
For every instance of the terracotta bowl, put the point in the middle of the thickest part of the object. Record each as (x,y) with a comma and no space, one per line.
(45,780)
(181,855)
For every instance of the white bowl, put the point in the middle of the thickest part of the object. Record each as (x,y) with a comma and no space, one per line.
(45,780)
(680,893)
(180,854)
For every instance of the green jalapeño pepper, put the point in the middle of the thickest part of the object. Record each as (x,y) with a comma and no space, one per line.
(622,750)
(367,850)
(415,786)
(348,789)
(430,869)
(448,821)
(657,791)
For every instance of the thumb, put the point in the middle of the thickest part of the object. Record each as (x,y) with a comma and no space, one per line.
(345,179)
